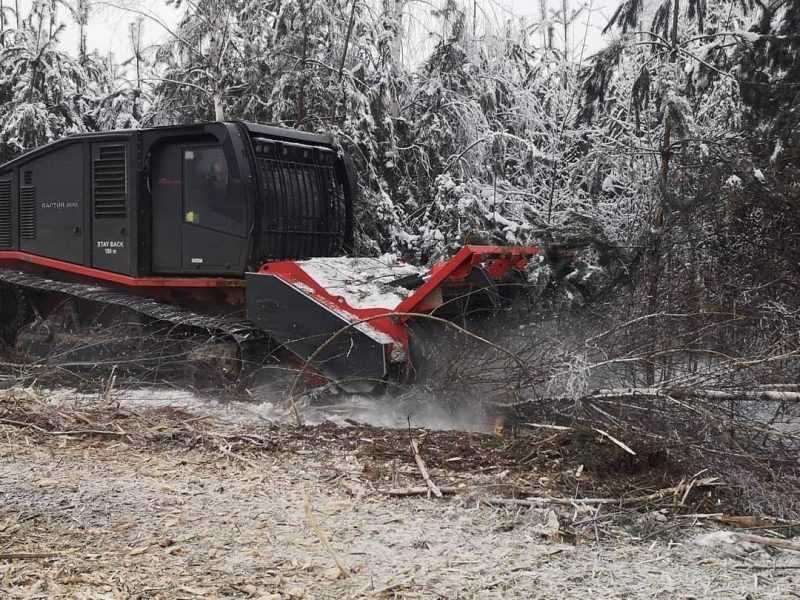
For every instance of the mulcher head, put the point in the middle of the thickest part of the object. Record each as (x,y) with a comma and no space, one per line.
(348,317)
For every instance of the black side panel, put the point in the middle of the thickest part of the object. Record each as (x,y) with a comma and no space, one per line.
(6,237)
(167,212)
(110,191)
(51,204)
(303,325)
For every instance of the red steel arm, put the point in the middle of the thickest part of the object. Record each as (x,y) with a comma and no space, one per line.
(459,267)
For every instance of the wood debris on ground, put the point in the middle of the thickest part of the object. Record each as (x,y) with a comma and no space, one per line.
(107,501)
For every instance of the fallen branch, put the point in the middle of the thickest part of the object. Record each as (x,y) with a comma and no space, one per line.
(753,522)
(690,392)
(548,426)
(544,501)
(390,587)
(622,445)
(323,538)
(768,541)
(72,432)
(766,567)
(420,491)
(27,555)
(421,466)
(605,434)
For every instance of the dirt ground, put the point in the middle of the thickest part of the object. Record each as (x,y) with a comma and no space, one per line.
(127,502)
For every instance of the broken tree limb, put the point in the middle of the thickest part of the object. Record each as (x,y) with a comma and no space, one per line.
(605,434)
(753,522)
(228,452)
(423,469)
(323,538)
(545,500)
(691,392)
(27,555)
(548,500)
(767,567)
(549,426)
(768,541)
(420,491)
(622,445)
(73,432)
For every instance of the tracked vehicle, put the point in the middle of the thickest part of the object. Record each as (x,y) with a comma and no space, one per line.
(234,231)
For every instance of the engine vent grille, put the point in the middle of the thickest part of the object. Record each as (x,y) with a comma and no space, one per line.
(5,213)
(108,183)
(27,212)
(27,178)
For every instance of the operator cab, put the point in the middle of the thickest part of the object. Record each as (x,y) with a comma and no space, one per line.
(230,196)
(208,199)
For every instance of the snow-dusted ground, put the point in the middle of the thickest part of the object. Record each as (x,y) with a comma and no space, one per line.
(96,518)
(267,406)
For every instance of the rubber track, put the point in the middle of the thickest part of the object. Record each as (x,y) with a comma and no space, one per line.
(241,330)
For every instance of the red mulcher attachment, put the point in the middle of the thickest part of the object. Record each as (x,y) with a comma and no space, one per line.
(349,316)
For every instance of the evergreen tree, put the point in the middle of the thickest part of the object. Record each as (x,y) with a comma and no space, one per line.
(39,84)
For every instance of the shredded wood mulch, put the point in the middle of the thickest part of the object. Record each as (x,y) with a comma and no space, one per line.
(576,463)
(105,500)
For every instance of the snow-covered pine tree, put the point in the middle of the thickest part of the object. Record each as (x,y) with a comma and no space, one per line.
(703,92)
(39,83)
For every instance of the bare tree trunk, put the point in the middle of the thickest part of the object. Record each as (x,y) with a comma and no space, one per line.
(219,22)
(547,26)
(474,21)
(83,22)
(665,154)
(300,105)
(658,221)
(52,18)
(344,58)
(35,70)
(347,38)
(397,42)
(675,14)
(393,11)
(543,18)
(219,106)
(136,47)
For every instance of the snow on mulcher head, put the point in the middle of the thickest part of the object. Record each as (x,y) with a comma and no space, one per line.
(348,316)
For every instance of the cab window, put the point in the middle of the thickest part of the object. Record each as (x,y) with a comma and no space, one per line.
(207,201)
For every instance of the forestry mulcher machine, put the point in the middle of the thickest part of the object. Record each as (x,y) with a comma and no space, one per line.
(231,231)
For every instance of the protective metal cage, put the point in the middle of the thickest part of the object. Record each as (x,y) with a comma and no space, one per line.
(303,204)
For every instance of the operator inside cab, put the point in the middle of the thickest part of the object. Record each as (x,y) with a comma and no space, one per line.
(206,199)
